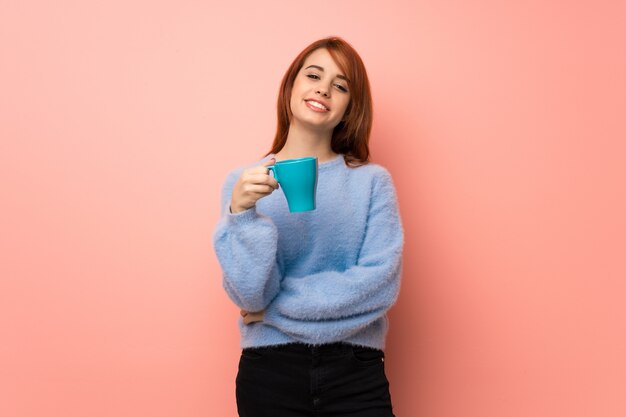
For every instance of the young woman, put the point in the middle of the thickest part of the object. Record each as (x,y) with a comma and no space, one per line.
(314,287)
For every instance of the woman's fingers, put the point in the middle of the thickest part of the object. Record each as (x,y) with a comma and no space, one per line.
(253,184)
(258,189)
(262,169)
(269,162)
(260,178)
(249,317)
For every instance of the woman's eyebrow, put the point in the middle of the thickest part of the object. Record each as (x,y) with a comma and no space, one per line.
(343,77)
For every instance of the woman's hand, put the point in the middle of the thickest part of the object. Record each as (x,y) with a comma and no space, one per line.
(253,184)
(249,317)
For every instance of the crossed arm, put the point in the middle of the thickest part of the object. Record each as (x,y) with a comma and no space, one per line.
(304,306)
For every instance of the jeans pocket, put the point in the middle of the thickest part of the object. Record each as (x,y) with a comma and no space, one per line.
(366,356)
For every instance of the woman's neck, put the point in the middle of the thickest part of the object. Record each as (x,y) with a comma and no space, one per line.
(301,143)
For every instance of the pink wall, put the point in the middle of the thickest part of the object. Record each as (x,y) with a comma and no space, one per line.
(502,123)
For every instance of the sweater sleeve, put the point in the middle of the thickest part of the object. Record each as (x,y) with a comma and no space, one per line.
(340,303)
(321,331)
(245,244)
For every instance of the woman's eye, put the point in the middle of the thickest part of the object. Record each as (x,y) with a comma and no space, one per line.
(341,87)
(313,76)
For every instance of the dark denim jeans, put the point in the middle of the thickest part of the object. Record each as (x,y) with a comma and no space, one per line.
(297,380)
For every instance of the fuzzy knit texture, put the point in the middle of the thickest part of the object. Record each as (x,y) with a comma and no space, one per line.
(321,276)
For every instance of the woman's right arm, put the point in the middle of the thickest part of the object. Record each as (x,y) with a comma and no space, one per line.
(245,241)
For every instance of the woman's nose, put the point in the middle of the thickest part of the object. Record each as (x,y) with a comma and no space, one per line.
(322,92)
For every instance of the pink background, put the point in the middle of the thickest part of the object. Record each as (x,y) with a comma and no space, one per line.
(501,122)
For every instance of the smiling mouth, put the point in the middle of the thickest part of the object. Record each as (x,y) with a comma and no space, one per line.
(315,105)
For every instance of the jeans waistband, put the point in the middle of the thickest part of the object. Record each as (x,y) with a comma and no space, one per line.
(323,349)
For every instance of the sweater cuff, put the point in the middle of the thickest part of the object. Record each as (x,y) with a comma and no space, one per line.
(243,217)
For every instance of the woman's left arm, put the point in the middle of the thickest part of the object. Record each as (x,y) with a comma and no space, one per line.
(372,285)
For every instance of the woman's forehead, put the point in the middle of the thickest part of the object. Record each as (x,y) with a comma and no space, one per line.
(322,59)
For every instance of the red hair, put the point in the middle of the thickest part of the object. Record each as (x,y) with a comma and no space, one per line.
(351,136)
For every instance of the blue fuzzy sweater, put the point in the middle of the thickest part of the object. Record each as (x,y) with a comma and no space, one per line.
(321,276)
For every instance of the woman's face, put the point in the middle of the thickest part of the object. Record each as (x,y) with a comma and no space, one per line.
(320,94)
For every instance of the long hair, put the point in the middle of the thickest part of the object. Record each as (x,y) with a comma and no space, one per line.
(351,136)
